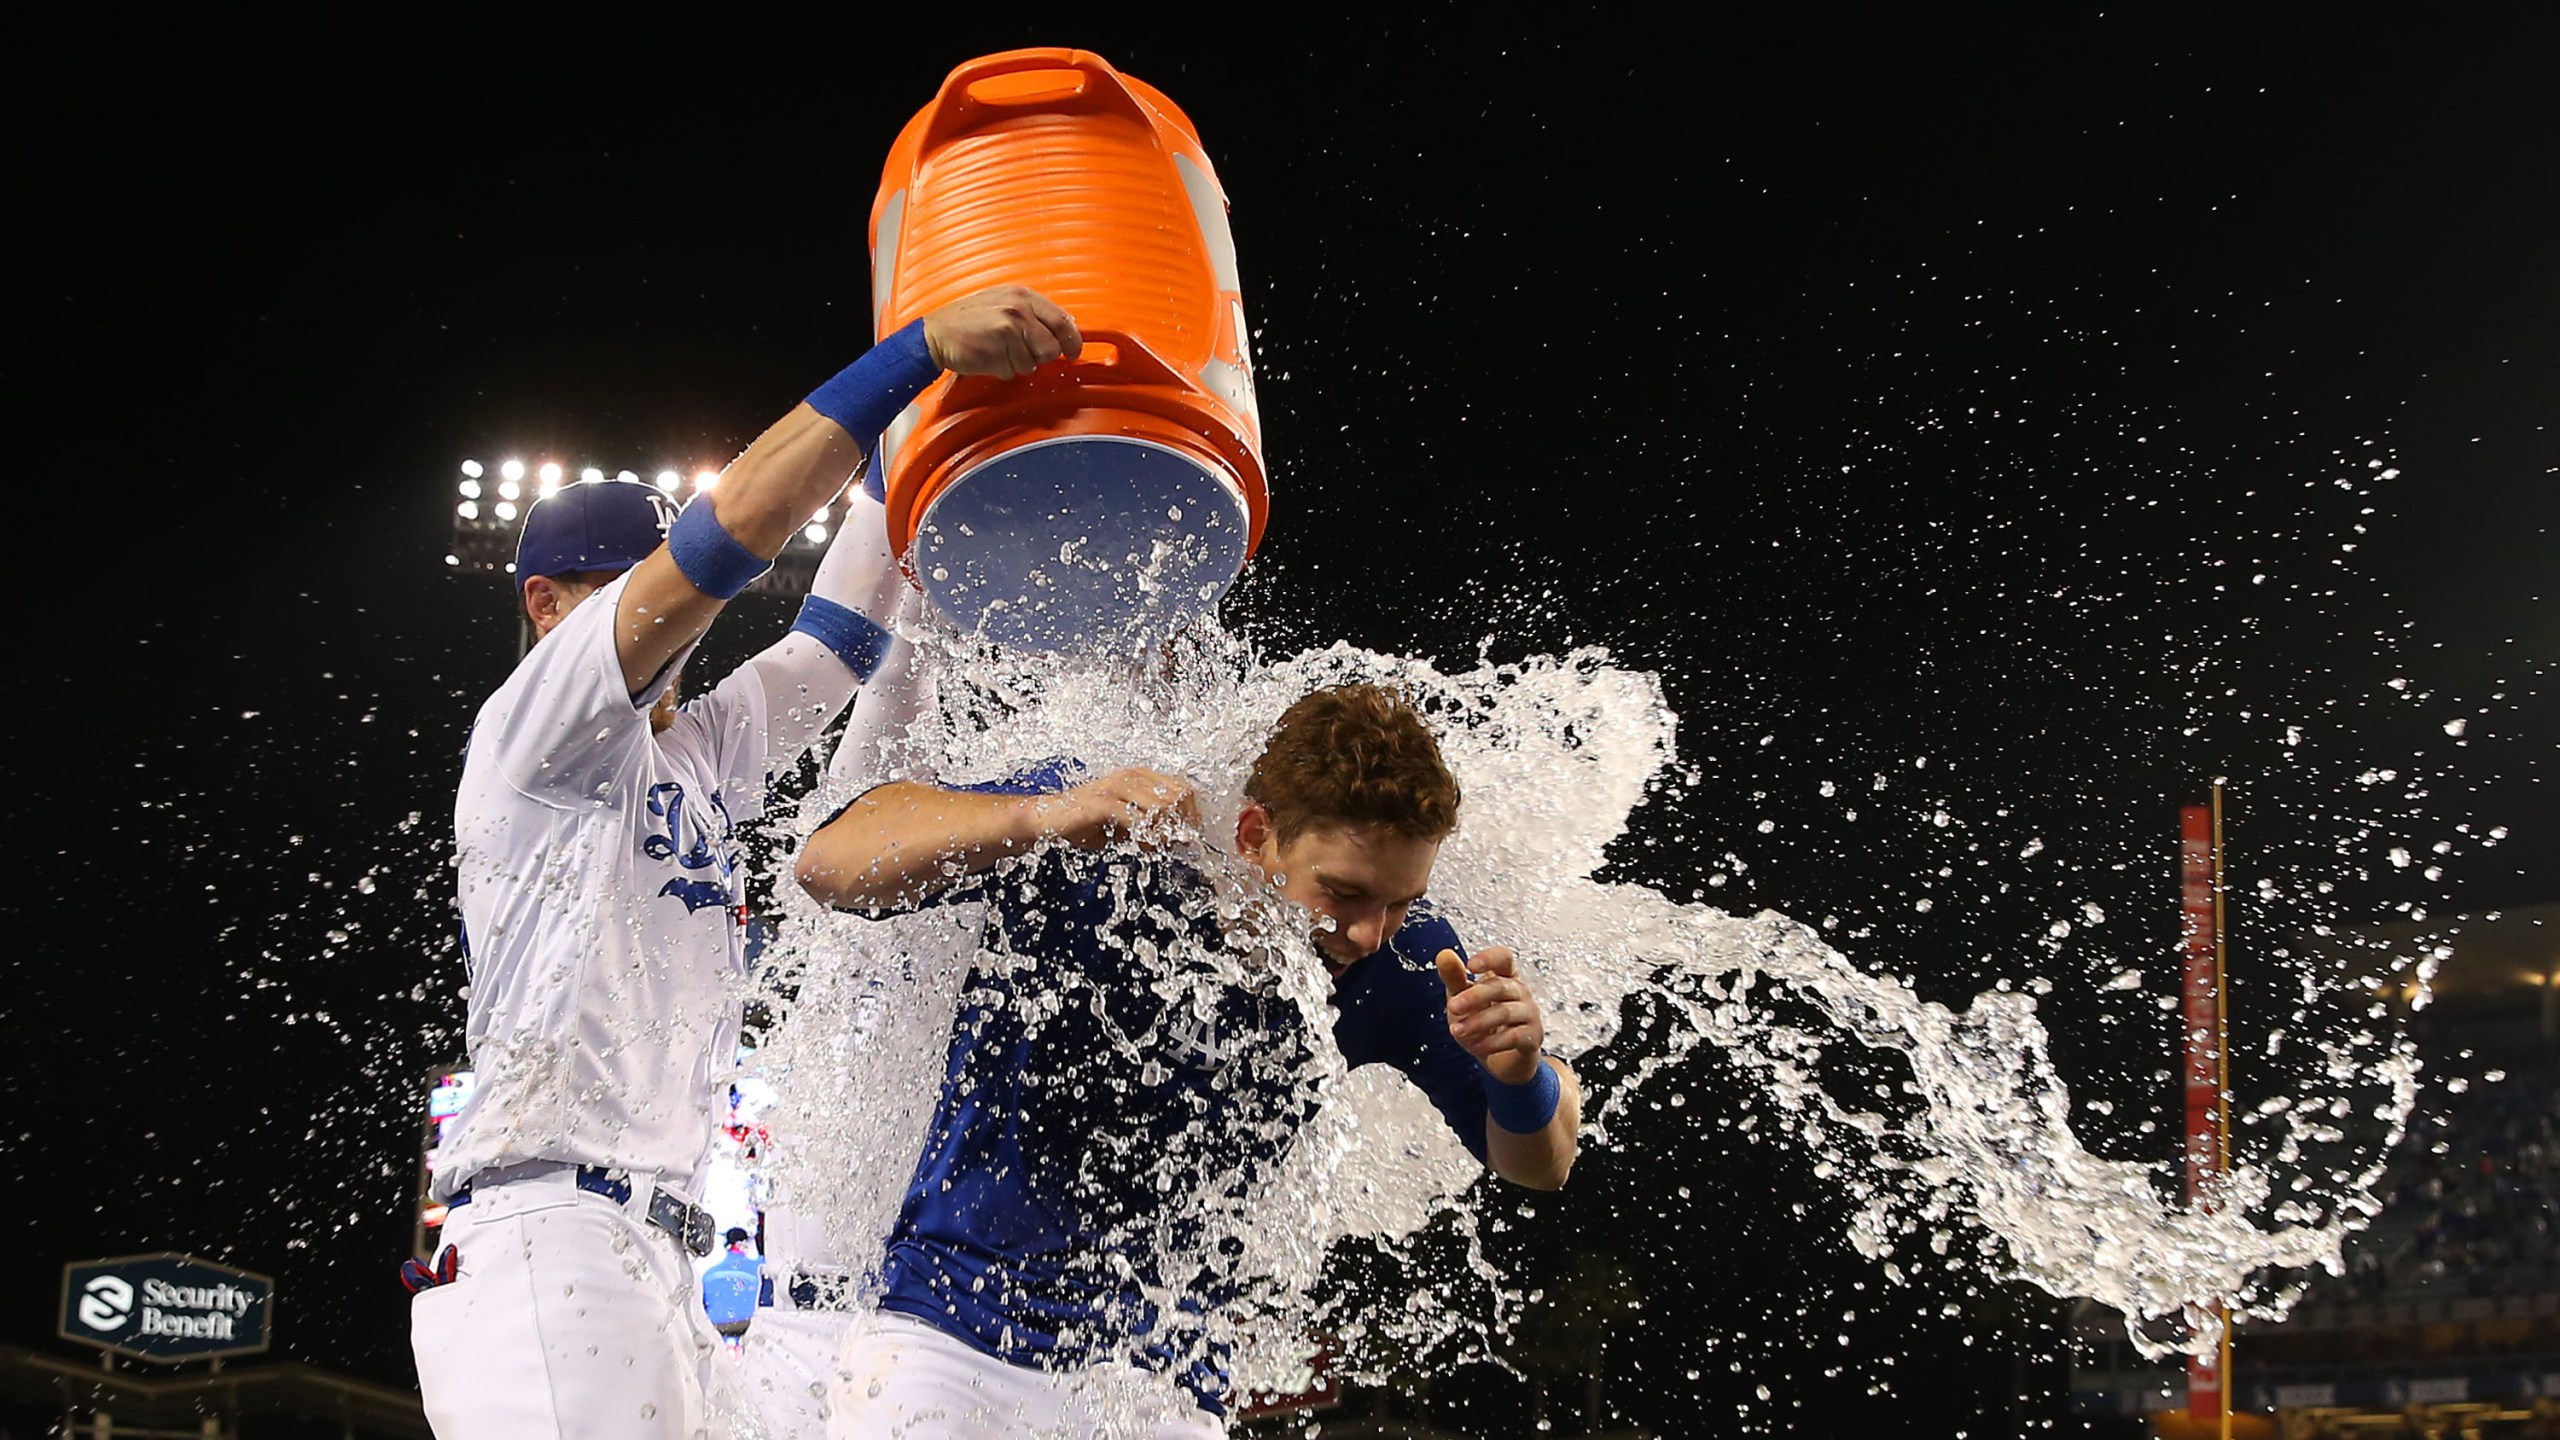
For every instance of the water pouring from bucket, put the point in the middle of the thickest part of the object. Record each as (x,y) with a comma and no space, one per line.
(1101,503)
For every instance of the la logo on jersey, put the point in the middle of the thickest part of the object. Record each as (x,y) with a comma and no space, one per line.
(696,842)
(1193,1039)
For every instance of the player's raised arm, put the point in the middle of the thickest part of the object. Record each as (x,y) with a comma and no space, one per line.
(842,639)
(729,535)
(1533,1101)
(900,842)
(877,742)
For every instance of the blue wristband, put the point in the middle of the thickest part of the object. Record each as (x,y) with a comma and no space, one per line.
(1524,1109)
(867,394)
(709,556)
(859,643)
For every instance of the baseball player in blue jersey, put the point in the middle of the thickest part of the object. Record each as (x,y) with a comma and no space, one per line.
(599,870)
(1114,1088)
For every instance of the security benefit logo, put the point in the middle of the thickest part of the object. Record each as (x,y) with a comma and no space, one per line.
(106,1303)
(165,1307)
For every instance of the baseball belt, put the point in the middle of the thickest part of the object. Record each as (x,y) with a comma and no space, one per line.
(690,1224)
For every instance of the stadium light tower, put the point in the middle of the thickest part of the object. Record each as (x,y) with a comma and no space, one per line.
(488,509)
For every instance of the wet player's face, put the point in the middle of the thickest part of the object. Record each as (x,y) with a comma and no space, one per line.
(1361,878)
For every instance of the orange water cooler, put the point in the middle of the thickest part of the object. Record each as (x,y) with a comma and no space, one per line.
(1097,503)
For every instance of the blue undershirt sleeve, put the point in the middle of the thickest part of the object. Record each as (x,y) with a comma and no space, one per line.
(855,638)
(1430,1056)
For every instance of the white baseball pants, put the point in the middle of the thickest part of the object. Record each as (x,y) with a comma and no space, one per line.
(571,1318)
(789,1366)
(906,1380)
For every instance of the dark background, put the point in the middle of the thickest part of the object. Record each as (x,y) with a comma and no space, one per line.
(2011,390)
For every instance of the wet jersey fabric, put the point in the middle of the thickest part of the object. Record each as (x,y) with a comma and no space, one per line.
(1110,1099)
(600,879)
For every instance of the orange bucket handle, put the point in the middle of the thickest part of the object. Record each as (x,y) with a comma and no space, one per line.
(994,86)
(1111,357)
(1120,358)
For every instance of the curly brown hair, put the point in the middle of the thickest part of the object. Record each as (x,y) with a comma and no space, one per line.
(1354,755)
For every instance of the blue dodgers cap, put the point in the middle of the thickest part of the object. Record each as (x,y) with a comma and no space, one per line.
(592,525)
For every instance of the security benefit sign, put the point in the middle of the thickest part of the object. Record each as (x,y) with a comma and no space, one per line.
(166,1307)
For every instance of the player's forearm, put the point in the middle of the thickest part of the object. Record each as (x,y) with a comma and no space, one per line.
(726,537)
(860,569)
(1540,1159)
(841,639)
(799,463)
(875,743)
(803,459)
(806,684)
(903,840)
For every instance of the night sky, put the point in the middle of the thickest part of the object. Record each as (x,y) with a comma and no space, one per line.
(2036,416)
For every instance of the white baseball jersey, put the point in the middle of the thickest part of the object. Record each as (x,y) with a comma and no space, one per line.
(600,882)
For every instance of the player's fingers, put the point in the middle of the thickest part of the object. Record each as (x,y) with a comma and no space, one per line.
(1510,1040)
(1495,1019)
(1158,791)
(1037,342)
(1485,1018)
(1453,972)
(1489,991)
(1493,960)
(1017,355)
(1049,316)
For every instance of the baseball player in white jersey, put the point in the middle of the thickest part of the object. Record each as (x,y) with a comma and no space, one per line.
(600,884)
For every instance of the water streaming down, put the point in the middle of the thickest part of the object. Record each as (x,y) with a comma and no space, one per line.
(1964,1156)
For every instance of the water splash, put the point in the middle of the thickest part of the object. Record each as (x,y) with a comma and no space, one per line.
(1934,1124)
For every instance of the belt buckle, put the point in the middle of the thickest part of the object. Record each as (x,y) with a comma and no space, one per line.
(810,1292)
(690,1224)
